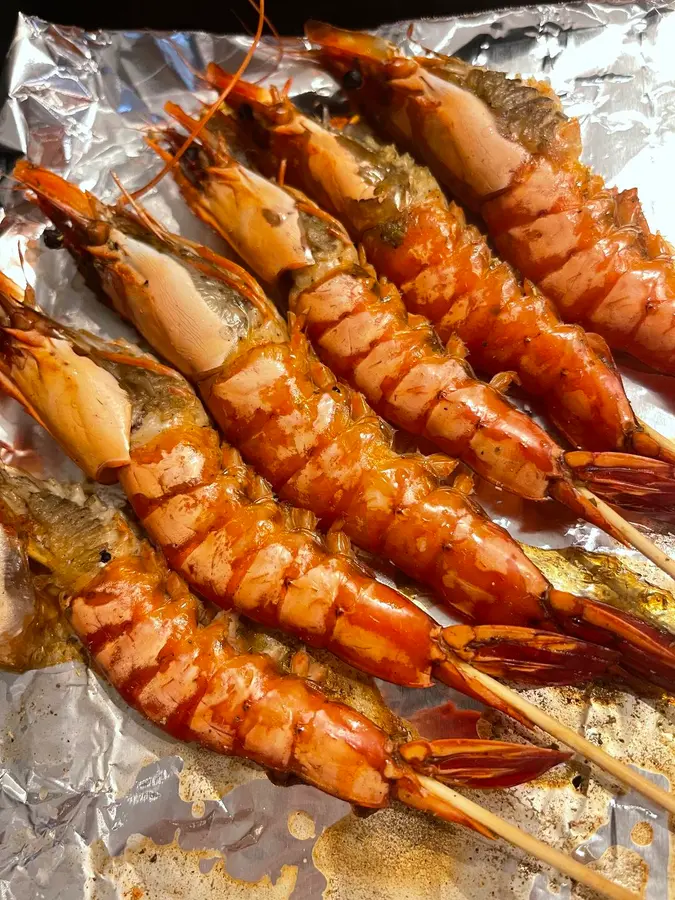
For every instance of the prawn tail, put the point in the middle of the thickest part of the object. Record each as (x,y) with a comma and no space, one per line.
(526,656)
(476,763)
(632,482)
(466,763)
(529,656)
(644,649)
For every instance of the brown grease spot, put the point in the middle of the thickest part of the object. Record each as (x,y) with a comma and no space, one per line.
(635,586)
(198,809)
(624,867)
(45,639)
(301,825)
(374,858)
(559,777)
(157,872)
(398,853)
(642,834)
(209,776)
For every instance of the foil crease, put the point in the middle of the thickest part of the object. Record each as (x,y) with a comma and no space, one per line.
(95,802)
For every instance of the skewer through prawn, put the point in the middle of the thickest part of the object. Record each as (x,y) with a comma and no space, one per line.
(587,246)
(222,530)
(313,439)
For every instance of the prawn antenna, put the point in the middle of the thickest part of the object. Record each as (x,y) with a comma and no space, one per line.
(259,8)
(202,123)
(180,53)
(279,42)
(246,28)
(142,214)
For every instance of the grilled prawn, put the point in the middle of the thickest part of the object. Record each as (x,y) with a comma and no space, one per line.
(154,642)
(446,271)
(505,147)
(315,440)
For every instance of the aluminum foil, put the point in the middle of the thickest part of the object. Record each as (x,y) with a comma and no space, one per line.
(96,803)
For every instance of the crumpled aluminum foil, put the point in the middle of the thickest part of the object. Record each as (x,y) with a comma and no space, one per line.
(96,803)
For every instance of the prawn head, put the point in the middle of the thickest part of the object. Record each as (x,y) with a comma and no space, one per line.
(79,403)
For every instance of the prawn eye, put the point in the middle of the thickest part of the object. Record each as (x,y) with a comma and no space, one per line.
(105,556)
(352,80)
(246,112)
(53,239)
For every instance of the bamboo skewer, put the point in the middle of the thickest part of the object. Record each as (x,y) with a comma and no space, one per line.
(571,738)
(549,855)
(630,533)
(660,439)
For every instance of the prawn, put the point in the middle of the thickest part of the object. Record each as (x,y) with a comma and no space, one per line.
(506,149)
(184,671)
(314,439)
(445,270)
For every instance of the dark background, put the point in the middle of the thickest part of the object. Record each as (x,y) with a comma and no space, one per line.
(221,15)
